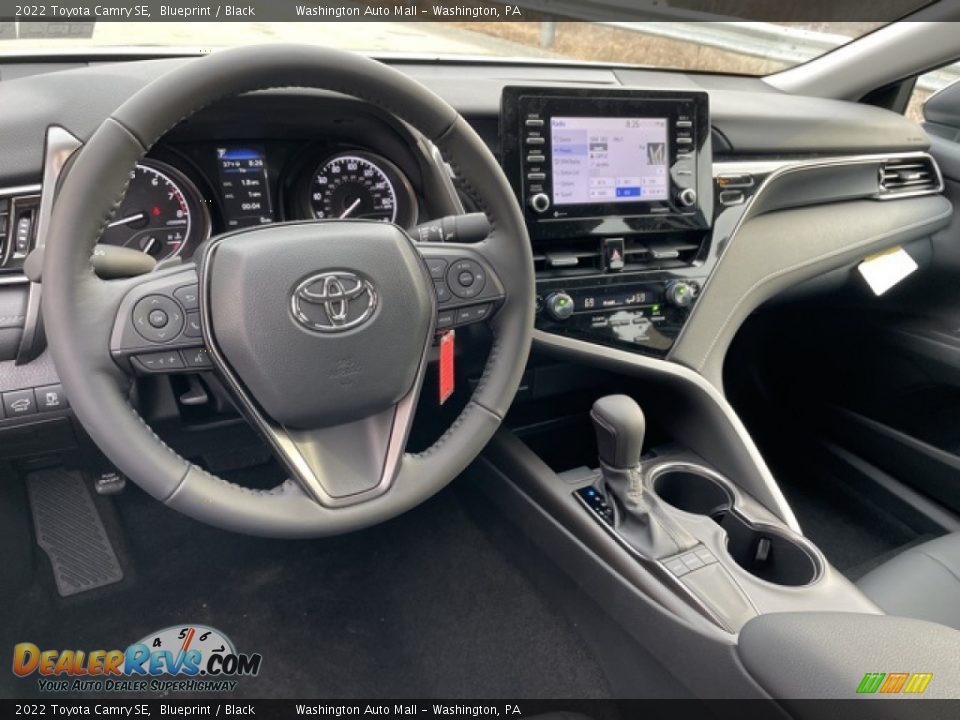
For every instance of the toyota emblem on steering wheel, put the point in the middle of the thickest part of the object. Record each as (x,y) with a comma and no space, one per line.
(333,302)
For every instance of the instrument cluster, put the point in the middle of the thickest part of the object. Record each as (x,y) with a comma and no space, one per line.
(182,193)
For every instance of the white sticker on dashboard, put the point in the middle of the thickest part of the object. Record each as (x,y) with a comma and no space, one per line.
(885,270)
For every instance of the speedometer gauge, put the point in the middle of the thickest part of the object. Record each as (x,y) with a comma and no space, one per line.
(158,214)
(360,186)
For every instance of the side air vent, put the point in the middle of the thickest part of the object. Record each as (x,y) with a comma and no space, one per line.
(911,176)
(18,225)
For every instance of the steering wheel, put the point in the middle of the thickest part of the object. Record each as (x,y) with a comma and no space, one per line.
(321,330)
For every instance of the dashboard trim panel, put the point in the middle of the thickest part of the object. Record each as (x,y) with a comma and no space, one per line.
(60,147)
(776,170)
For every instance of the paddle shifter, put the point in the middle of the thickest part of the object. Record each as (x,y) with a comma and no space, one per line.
(640,520)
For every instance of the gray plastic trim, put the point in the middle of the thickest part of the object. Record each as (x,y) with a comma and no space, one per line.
(775,169)
(60,146)
(755,478)
(20,190)
(737,508)
(742,281)
(657,569)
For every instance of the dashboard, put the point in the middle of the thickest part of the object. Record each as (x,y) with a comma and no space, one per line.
(184,192)
(634,186)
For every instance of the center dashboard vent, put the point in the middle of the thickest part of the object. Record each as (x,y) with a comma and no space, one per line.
(910,176)
(585,256)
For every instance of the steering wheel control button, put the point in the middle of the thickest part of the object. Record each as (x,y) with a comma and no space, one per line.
(446,318)
(443,292)
(192,328)
(19,402)
(149,314)
(473,314)
(466,278)
(437,267)
(159,362)
(197,358)
(51,398)
(189,297)
(158,319)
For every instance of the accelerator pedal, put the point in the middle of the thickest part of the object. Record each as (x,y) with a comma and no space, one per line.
(70,531)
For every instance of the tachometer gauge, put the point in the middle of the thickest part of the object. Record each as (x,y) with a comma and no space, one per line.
(158,215)
(361,186)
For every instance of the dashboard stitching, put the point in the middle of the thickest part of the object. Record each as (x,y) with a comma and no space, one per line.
(782,271)
(276,490)
(123,190)
(497,341)
(157,437)
(103,224)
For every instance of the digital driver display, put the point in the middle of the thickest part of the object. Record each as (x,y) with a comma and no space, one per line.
(243,186)
(609,160)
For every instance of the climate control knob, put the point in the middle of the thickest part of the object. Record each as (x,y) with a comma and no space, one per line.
(559,305)
(540,202)
(681,293)
(688,197)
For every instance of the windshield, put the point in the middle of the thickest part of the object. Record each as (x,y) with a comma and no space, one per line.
(753,48)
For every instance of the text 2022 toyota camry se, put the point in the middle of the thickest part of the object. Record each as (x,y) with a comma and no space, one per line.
(480,366)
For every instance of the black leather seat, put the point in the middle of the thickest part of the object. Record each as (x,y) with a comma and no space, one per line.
(922,582)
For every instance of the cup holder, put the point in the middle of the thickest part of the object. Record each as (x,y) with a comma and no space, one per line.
(692,492)
(768,553)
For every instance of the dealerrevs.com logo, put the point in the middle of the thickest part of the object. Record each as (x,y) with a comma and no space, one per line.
(183,658)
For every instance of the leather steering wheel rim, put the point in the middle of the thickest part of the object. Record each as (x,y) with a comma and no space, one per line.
(79,308)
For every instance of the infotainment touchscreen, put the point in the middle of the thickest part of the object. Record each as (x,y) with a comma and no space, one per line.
(609,160)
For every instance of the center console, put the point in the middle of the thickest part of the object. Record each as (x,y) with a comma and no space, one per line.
(617,192)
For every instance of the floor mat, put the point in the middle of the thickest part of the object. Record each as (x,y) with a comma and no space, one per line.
(70,531)
(421,606)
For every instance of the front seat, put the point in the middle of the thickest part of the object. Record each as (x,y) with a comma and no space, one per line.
(922,582)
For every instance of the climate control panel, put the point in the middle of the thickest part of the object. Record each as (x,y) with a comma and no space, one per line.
(642,316)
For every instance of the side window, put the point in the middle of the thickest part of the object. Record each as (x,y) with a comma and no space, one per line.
(927,85)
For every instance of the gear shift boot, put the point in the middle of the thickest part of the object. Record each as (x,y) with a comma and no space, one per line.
(641,520)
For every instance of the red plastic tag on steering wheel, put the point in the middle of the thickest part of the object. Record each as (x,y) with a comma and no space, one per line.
(446,366)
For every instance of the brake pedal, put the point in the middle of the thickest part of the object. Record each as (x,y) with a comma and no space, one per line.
(71,532)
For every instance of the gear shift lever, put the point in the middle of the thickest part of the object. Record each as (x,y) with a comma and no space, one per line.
(620,426)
